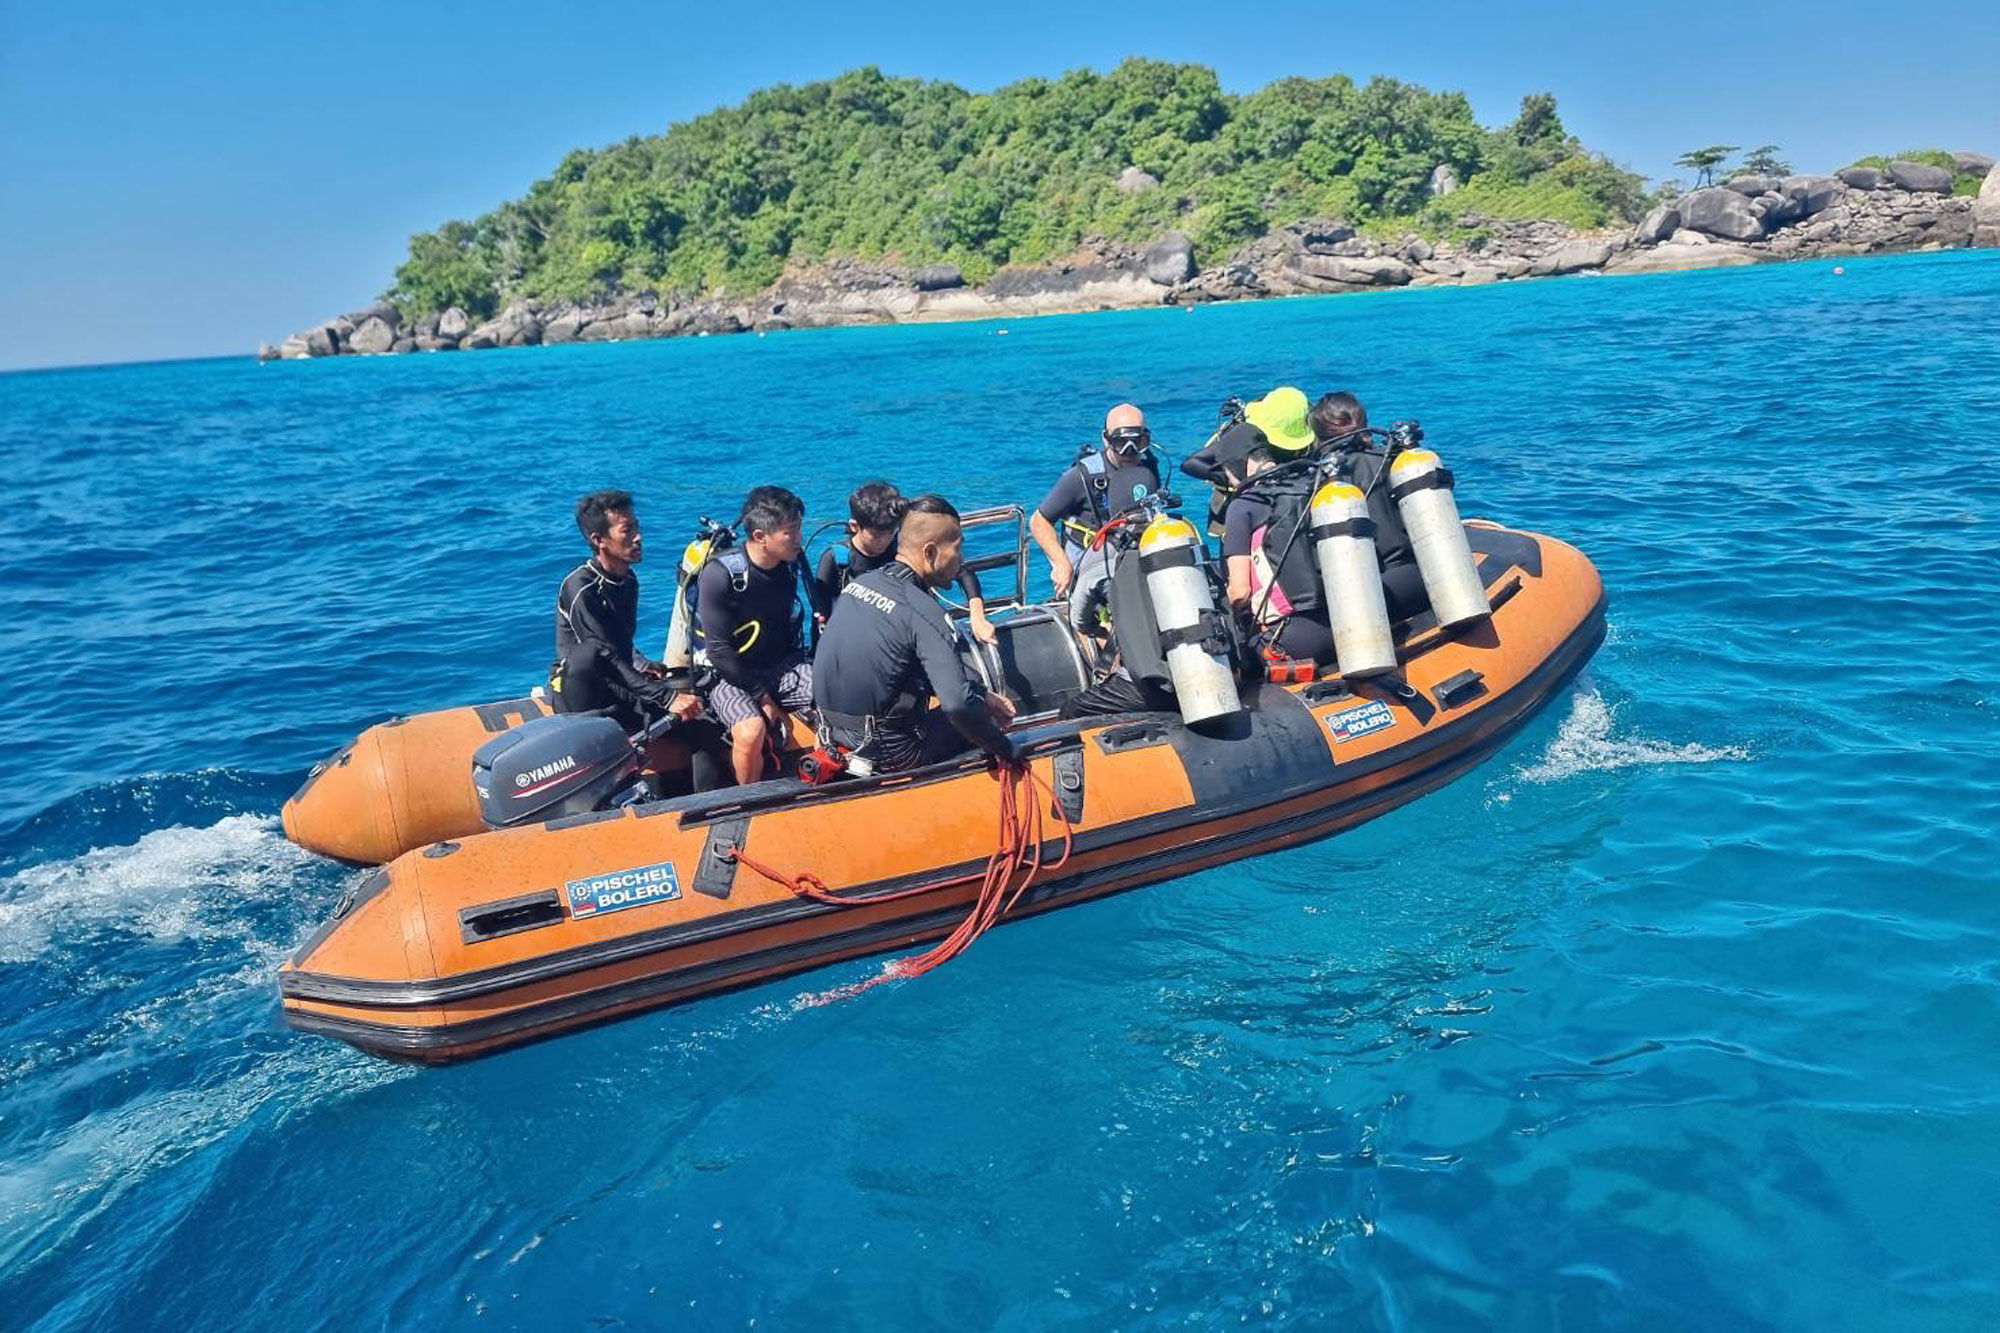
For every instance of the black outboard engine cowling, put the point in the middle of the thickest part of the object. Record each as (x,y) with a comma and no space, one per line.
(568,764)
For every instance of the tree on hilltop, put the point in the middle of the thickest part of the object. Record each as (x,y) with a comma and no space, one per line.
(1704,161)
(1763,160)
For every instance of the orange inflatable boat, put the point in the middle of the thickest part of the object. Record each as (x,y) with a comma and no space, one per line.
(474,943)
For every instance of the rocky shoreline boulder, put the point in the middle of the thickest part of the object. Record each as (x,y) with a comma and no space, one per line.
(1919,177)
(1170,260)
(1986,211)
(1720,211)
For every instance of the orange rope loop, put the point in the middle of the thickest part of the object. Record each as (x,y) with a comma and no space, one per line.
(1013,866)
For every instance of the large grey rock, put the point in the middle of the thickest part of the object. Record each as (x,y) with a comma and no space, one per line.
(322,341)
(430,342)
(1418,251)
(453,324)
(1322,238)
(381,310)
(1986,211)
(266,352)
(1671,256)
(1331,271)
(403,345)
(373,336)
(1511,266)
(565,327)
(1659,224)
(1750,185)
(1170,259)
(1815,194)
(1720,212)
(1860,178)
(937,277)
(1572,257)
(294,348)
(1132,180)
(1919,177)
(1443,181)
(1972,164)
(517,326)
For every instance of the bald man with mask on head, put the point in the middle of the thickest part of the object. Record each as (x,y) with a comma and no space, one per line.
(1096,489)
(890,649)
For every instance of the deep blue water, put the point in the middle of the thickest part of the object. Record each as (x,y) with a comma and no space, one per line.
(1683,1012)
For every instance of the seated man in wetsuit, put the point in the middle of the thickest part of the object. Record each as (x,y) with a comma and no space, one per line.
(889,648)
(875,510)
(1337,420)
(1094,490)
(753,628)
(596,668)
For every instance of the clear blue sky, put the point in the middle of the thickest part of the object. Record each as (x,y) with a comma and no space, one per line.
(183,180)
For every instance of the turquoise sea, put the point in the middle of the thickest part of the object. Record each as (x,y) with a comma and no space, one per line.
(1681,1013)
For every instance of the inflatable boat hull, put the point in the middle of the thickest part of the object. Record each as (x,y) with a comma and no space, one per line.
(463,948)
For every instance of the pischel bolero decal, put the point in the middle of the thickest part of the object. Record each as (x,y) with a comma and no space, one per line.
(1370,717)
(620,889)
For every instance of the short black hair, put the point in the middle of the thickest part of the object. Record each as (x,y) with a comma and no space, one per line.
(876,505)
(931,503)
(1337,414)
(768,508)
(594,511)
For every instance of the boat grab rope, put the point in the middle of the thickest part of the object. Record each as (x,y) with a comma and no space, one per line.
(1016,860)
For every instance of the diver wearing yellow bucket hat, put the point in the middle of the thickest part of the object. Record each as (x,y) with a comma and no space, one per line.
(1282,415)
(1279,422)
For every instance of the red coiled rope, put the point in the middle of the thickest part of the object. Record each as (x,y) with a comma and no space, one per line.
(1016,860)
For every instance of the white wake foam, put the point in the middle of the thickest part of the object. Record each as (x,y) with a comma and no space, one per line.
(51,1190)
(173,884)
(1585,744)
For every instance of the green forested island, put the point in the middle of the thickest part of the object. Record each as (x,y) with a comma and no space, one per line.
(871,166)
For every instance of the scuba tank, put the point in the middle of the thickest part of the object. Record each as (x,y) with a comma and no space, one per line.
(1421,488)
(1192,635)
(1344,542)
(710,537)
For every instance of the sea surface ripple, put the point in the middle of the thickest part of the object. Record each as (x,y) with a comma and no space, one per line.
(1682,1012)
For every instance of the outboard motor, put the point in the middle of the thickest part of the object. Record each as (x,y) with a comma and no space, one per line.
(1421,488)
(568,764)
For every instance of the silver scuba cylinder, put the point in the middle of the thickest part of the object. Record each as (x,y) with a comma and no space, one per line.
(1421,489)
(1344,544)
(679,654)
(1204,684)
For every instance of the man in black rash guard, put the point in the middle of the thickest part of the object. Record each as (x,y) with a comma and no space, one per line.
(875,510)
(753,628)
(597,614)
(884,657)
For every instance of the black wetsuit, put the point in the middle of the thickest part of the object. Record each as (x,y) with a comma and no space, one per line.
(753,631)
(879,662)
(596,666)
(833,574)
(598,669)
